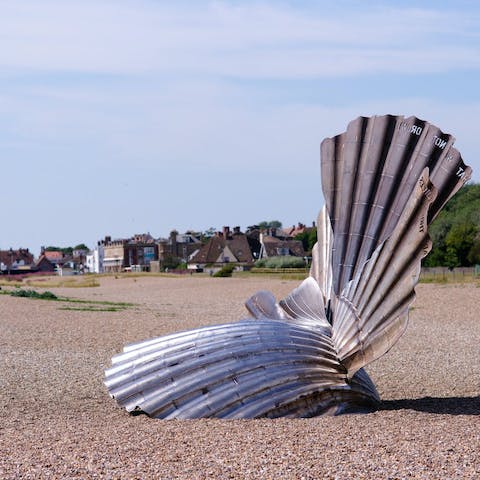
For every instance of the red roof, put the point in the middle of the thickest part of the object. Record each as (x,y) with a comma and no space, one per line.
(53,255)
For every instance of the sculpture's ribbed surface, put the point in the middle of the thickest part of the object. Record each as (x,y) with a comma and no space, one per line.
(368,175)
(384,180)
(281,363)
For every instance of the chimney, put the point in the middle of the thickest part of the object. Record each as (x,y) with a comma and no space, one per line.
(226,232)
(173,242)
(236,231)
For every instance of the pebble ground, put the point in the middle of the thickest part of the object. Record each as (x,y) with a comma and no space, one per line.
(57,420)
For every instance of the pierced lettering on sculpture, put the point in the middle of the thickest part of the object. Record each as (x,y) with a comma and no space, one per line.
(416,129)
(408,127)
(439,142)
(421,227)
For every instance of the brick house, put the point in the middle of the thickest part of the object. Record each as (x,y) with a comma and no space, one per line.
(224,247)
(12,261)
(43,264)
(178,248)
(134,253)
(272,246)
(114,255)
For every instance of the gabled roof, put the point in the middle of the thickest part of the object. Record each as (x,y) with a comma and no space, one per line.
(218,249)
(294,230)
(274,247)
(8,257)
(43,264)
(56,257)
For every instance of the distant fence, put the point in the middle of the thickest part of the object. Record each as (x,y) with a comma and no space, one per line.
(279,269)
(447,274)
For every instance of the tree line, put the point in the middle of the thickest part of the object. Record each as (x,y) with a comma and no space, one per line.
(455,232)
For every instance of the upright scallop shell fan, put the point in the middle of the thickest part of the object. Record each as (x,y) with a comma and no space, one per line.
(384,180)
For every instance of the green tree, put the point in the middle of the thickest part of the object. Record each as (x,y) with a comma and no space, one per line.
(308,239)
(64,250)
(459,241)
(271,224)
(207,234)
(455,232)
(474,253)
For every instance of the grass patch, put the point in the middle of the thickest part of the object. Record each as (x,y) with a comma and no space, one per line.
(52,282)
(280,273)
(448,278)
(7,282)
(87,305)
(81,281)
(96,302)
(62,282)
(294,276)
(33,294)
(94,308)
(127,275)
(94,305)
(432,279)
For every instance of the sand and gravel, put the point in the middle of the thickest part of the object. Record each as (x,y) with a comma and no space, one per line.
(57,420)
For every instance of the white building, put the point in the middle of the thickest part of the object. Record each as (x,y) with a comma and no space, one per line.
(94,260)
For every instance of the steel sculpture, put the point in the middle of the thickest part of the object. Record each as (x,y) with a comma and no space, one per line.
(384,180)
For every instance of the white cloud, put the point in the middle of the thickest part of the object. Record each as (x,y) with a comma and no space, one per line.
(143,101)
(219,38)
(206,123)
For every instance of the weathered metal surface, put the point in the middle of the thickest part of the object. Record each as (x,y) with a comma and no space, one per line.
(384,180)
(368,175)
(282,362)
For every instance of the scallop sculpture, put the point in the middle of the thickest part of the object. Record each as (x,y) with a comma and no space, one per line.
(384,180)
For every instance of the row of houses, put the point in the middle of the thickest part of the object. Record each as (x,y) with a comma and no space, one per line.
(14,261)
(22,261)
(143,252)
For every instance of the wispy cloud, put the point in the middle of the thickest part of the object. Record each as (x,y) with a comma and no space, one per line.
(243,40)
(140,102)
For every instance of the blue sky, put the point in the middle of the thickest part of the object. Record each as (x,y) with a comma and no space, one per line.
(123,117)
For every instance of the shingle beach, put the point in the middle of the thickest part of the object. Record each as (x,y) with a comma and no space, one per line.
(58,421)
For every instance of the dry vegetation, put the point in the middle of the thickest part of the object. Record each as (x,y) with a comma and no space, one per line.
(59,422)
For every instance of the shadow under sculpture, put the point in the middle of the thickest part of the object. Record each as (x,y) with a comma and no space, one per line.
(384,180)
